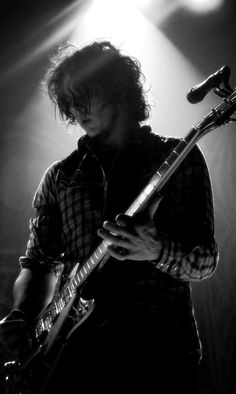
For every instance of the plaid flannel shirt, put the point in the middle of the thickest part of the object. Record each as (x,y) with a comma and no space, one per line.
(75,196)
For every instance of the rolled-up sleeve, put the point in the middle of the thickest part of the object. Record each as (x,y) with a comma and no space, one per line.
(195,265)
(44,247)
(186,223)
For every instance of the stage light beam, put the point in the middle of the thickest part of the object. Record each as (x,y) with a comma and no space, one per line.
(202,6)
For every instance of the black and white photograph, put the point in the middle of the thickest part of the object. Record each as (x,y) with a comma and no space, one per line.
(117,197)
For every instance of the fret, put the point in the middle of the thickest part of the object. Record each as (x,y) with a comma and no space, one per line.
(54,314)
(55,311)
(63,298)
(192,137)
(61,303)
(39,328)
(90,264)
(64,294)
(73,284)
(58,306)
(171,159)
(70,291)
(164,168)
(47,324)
(75,279)
(180,146)
(156,179)
(105,244)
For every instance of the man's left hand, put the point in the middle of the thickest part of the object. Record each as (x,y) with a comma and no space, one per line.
(131,238)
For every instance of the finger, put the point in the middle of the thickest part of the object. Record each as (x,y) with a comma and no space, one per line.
(116,230)
(129,223)
(133,224)
(114,239)
(123,220)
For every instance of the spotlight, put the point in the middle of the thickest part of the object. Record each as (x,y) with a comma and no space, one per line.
(202,6)
(141,3)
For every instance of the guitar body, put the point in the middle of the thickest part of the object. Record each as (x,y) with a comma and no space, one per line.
(31,373)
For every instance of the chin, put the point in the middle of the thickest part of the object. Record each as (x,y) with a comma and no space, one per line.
(92,130)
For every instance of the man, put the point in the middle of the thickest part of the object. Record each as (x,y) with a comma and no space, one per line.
(142,334)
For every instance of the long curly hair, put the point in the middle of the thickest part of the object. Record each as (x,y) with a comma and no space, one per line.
(74,76)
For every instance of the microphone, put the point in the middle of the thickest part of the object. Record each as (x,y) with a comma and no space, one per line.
(198,92)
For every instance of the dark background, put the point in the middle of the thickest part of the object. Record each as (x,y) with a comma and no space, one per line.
(208,42)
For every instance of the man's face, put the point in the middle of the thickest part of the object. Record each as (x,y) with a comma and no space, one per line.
(98,119)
